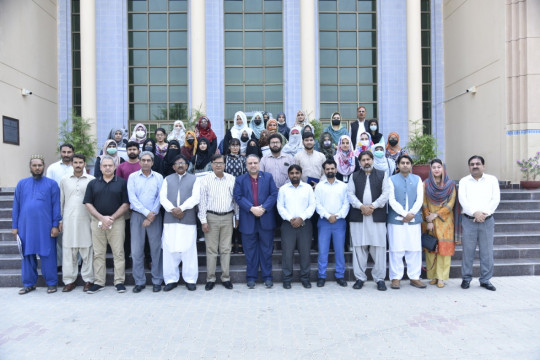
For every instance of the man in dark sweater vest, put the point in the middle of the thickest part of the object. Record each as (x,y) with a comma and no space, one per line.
(368,194)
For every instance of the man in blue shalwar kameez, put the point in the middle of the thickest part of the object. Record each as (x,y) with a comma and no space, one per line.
(36,215)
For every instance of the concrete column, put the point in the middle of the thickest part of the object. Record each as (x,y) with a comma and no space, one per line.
(307,57)
(88,63)
(197,54)
(414,65)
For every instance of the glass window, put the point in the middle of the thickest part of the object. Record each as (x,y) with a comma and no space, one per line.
(158,58)
(253,56)
(348,58)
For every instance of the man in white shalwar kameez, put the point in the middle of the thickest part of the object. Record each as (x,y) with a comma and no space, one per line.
(368,220)
(179,196)
(404,224)
(76,226)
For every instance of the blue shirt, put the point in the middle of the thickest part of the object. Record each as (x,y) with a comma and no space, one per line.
(144,191)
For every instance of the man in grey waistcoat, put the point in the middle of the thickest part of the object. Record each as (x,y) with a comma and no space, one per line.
(179,197)
(368,194)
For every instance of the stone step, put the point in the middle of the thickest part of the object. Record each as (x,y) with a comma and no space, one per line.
(5,223)
(504,238)
(503,267)
(507,215)
(5,213)
(518,205)
(517,226)
(520,195)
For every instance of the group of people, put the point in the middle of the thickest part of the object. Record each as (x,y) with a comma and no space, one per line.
(350,191)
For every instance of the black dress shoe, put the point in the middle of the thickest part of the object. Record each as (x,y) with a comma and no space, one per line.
(488,286)
(306,284)
(138,288)
(286,284)
(227,285)
(209,285)
(341,282)
(156,288)
(320,282)
(381,286)
(465,284)
(358,285)
(191,287)
(170,286)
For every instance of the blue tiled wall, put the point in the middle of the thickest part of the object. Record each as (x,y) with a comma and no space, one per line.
(112,66)
(437,75)
(65,95)
(215,66)
(292,88)
(392,67)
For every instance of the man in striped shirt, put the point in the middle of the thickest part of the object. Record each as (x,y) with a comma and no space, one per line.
(217,212)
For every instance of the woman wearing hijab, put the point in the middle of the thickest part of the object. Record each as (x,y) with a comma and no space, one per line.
(301,119)
(253,149)
(437,210)
(161,145)
(393,150)
(272,128)
(109,149)
(381,162)
(178,132)
(168,161)
(256,124)
(190,146)
(200,162)
(245,137)
(150,145)
(307,128)
(240,124)
(282,125)
(346,162)
(295,142)
(374,132)
(364,144)
(325,146)
(204,127)
(117,134)
(139,134)
(334,129)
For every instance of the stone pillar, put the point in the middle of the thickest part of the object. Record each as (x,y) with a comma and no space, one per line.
(307,57)
(197,64)
(414,65)
(88,63)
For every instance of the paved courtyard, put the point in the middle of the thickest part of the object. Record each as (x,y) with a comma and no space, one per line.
(319,323)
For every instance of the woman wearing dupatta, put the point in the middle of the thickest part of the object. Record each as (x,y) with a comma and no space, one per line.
(437,210)
(346,162)
(256,124)
(365,143)
(204,129)
(393,150)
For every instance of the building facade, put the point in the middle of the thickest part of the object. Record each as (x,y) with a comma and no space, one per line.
(122,62)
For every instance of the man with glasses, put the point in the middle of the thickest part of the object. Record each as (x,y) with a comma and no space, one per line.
(216,211)
(479,196)
(179,196)
(277,163)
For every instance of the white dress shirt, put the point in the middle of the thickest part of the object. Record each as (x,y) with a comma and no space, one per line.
(295,202)
(482,195)
(332,199)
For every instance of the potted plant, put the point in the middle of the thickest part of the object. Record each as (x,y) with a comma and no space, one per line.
(422,148)
(75,131)
(530,168)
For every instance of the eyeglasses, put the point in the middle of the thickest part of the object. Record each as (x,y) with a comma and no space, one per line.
(218,163)
(475,164)
(179,163)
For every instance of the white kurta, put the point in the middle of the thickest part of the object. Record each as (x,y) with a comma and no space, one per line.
(406,237)
(368,232)
(76,220)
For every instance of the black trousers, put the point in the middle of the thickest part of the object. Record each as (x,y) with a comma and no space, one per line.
(296,238)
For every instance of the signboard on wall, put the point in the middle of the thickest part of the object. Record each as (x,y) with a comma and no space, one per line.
(10,130)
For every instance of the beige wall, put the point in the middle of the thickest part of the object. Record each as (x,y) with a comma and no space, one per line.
(28,59)
(474,55)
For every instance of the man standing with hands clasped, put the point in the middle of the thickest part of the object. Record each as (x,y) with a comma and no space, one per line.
(216,211)
(479,195)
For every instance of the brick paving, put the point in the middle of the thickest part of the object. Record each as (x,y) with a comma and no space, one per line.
(319,323)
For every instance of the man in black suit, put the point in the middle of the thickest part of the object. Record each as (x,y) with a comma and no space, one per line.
(354,131)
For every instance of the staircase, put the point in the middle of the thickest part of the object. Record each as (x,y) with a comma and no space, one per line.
(516,246)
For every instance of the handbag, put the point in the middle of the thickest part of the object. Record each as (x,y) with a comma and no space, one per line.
(429,242)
